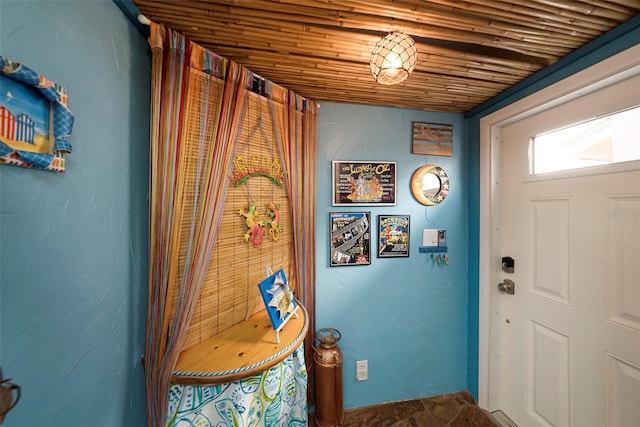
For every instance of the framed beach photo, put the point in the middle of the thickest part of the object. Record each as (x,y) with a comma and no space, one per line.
(363,183)
(350,238)
(393,236)
(34,119)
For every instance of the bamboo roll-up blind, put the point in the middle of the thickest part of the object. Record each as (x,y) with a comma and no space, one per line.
(194,130)
(230,291)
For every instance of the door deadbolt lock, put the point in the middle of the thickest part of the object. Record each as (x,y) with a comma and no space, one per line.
(507,286)
(508,264)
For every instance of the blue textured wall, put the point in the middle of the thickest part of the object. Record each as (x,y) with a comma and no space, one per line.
(406,316)
(73,246)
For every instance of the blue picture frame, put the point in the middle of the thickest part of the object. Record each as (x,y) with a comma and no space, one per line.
(34,119)
(278,299)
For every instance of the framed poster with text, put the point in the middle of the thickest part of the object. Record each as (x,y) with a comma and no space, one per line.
(393,236)
(363,183)
(350,238)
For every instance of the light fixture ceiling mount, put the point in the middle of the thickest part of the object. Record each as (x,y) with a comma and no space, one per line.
(393,58)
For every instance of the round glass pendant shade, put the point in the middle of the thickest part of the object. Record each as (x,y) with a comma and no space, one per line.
(393,58)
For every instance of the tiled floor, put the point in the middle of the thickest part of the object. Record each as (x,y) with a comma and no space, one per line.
(449,410)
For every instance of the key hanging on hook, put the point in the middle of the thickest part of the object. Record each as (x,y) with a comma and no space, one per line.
(438,259)
(446,259)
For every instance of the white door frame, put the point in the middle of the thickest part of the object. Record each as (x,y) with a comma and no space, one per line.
(604,73)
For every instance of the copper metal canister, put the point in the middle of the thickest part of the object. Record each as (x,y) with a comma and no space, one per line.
(327,361)
(9,395)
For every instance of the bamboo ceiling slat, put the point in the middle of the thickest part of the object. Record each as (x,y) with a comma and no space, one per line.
(494,80)
(468,51)
(527,12)
(229,10)
(407,95)
(310,71)
(307,65)
(471,34)
(343,53)
(588,9)
(261,21)
(623,6)
(628,4)
(411,10)
(278,41)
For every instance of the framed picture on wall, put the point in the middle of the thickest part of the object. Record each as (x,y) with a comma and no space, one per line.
(435,139)
(350,238)
(34,119)
(363,183)
(393,236)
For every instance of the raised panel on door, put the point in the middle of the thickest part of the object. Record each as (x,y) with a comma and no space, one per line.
(548,379)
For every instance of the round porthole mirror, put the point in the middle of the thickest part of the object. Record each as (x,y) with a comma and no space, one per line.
(430,185)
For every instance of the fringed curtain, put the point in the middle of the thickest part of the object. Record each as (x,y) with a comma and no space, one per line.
(297,136)
(307,224)
(193,129)
(197,106)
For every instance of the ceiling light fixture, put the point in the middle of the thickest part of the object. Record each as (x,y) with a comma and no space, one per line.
(393,58)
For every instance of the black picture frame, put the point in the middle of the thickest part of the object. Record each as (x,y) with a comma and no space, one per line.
(394,236)
(350,241)
(363,183)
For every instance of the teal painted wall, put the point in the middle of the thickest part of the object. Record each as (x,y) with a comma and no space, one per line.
(73,247)
(406,316)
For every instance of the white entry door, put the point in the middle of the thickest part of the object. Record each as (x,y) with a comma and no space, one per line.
(570,334)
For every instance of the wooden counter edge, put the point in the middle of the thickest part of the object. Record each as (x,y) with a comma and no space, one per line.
(203,380)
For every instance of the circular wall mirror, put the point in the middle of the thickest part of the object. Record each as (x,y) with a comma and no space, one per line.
(430,185)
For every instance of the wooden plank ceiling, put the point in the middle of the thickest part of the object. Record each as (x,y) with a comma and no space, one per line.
(468,51)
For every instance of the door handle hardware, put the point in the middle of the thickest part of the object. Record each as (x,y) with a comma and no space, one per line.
(508,264)
(507,287)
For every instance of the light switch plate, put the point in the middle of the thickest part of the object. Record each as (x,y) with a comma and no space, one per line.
(429,237)
(362,370)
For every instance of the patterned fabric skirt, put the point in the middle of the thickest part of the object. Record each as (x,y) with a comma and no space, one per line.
(275,397)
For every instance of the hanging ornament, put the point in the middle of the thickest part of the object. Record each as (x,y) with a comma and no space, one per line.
(254,224)
(247,166)
(258,224)
(273,222)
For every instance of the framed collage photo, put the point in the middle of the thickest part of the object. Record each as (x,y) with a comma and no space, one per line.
(393,236)
(350,238)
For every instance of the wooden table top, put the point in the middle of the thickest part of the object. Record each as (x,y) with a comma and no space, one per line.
(245,349)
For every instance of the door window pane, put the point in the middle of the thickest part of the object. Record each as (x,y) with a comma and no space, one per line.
(605,140)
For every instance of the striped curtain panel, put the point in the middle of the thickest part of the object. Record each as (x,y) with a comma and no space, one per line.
(194,123)
(297,136)
(198,104)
